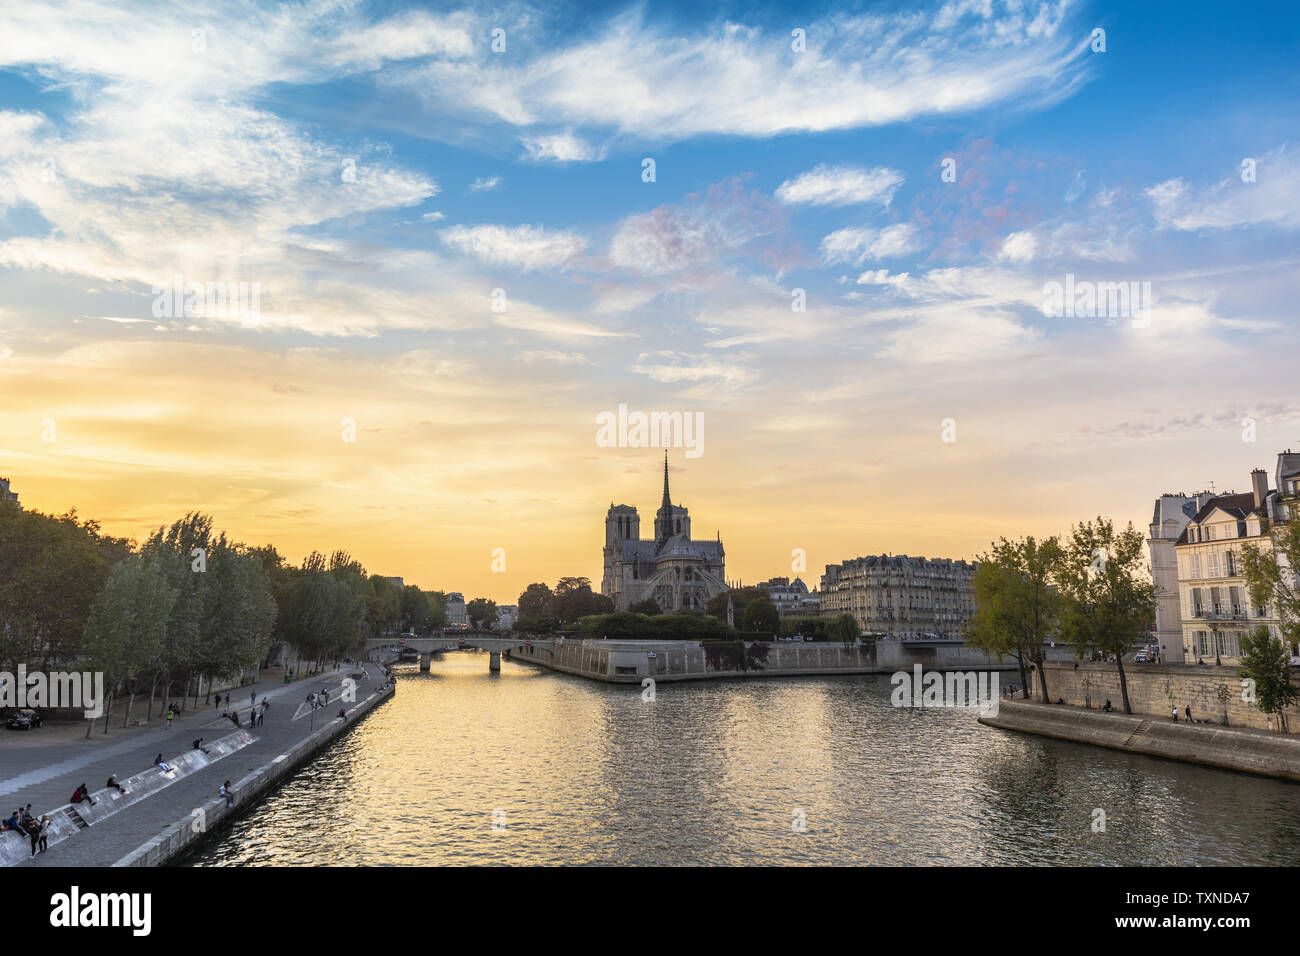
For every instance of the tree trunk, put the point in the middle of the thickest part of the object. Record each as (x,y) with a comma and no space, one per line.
(130,702)
(1123,682)
(1024,682)
(108,710)
(153,690)
(1042,678)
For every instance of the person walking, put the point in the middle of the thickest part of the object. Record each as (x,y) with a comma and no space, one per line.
(170,715)
(1175,713)
(34,831)
(252,698)
(1188,711)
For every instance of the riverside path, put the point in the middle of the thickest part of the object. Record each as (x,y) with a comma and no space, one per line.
(46,775)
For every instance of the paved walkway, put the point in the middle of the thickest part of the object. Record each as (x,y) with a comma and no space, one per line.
(46,776)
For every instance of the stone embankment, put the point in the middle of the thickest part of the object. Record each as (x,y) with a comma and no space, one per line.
(1230,748)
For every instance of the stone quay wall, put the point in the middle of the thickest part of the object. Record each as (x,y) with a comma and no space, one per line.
(1214,693)
(1248,751)
(631,661)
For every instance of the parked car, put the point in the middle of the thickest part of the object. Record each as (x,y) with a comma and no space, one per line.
(24,719)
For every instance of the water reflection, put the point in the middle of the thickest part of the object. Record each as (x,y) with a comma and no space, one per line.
(716,773)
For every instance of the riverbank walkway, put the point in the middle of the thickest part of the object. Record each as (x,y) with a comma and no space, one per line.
(45,775)
(1245,749)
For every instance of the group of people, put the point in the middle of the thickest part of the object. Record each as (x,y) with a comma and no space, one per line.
(1187,710)
(256,711)
(22,821)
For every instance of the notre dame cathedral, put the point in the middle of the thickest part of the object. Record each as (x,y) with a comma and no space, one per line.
(671,568)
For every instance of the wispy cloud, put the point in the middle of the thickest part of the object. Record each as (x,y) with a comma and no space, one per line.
(841,186)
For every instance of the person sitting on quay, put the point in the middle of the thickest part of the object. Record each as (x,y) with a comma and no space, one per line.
(82,794)
(226,792)
(162,764)
(198,745)
(112,784)
(13,824)
(1108,708)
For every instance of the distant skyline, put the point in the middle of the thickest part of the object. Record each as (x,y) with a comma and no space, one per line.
(914,176)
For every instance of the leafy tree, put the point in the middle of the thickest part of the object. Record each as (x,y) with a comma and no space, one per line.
(843,627)
(574,598)
(1017,607)
(649,607)
(1109,598)
(127,627)
(740,599)
(481,613)
(761,615)
(535,600)
(1272,579)
(1267,661)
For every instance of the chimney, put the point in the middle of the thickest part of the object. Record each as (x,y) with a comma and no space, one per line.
(1259,484)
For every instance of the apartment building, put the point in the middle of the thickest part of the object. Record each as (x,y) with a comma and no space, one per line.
(901,597)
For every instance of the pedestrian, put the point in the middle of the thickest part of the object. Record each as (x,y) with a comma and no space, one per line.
(34,831)
(29,821)
(217,702)
(1175,713)
(113,784)
(227,700)
(226,792)
(252,698)
(170,715)
(1189,713)
(261,715)
(45,832)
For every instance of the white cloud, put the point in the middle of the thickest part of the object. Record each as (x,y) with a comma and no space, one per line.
(528,247)
(643,80)
(561,147)
(433,216)
(1018,247)
(1272,199)
(841,186)
(856,245)
(481,184)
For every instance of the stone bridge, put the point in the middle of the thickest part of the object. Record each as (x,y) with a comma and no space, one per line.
(388,650)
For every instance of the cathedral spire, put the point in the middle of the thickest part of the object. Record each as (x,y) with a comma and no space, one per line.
(667,502)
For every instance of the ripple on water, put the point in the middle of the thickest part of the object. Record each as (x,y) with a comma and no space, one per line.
(717,773)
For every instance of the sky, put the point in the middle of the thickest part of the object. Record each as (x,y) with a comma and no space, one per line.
(465,234)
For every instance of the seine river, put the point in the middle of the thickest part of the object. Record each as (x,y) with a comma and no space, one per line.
(531,767)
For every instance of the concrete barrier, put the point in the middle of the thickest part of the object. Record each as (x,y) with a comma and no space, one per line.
(1248,751)
(181,835)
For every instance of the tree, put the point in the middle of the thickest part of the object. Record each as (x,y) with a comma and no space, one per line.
(761,615)
(1109,598)
(535,600)
(1272,580)
(843,627)
(649,607)
(1017,608)
(574,598)
(1266,660)
(481,613)
(740,599)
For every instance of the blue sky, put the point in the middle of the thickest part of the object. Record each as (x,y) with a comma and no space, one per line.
(378,170)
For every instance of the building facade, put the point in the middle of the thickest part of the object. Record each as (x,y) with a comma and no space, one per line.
(456,610)
(676,570)
(792,598)
(1214,604)
(1172,514)
(507,614)
(896,596)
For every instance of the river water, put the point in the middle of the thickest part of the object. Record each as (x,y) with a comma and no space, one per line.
(532,767)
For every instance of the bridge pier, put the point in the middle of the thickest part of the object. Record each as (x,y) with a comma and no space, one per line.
(424,663)
(494,661)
